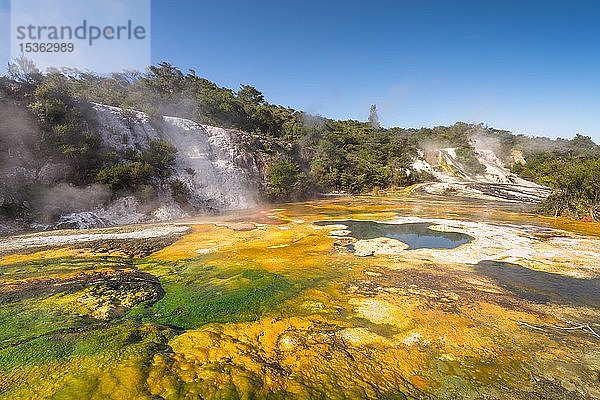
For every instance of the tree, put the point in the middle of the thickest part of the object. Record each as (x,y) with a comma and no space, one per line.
(180,192)
(23,70)
(161,156)
(249,94)
(584,145)
(166,79)
(285,181)
(373,117)
(64,131)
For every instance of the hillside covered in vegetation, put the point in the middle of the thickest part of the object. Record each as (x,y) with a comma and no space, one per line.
(47,120)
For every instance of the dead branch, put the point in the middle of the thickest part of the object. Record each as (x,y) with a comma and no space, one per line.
(573,327)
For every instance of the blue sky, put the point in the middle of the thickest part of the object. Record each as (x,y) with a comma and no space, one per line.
(531,66)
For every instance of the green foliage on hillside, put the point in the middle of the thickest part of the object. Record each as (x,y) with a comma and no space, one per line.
(65,133)
(354,156)
(166,90)
(285,181)
(161,157)
(466,156)
(125,175)
(180,192)
(139,168)
(574,180)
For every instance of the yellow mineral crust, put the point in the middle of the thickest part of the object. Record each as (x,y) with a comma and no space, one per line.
(44,255)
(296,357)
(376,328)
(416,323)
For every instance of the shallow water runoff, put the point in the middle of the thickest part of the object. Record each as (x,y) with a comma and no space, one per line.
(415,235)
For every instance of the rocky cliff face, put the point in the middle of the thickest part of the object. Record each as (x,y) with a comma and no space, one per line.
(212,165)
(124,130)
(492,180)
(222,169)
(219,171)
(446,166)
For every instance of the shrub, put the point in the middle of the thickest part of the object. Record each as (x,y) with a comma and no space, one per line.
(180,192)
(127,175)
(161,156)
(285,181)
(466,156)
